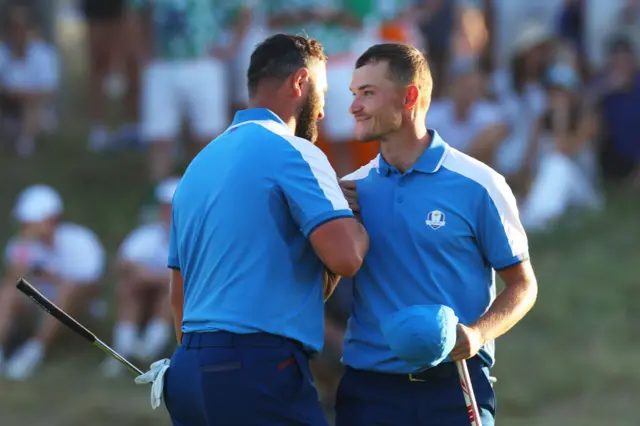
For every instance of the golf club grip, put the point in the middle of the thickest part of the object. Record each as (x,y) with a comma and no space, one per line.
(50,308)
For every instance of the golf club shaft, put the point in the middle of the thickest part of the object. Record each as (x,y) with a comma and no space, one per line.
(106,349)
(467,391)
(49,307)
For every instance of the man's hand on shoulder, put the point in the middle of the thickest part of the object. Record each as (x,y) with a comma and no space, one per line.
(349,190)
(329,282)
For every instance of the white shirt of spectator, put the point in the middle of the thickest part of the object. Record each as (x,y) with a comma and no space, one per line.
(37,71)
(147,246)
(520,112)
(76,256)
(461,134)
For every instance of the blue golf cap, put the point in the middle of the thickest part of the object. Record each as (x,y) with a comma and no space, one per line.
(421,335)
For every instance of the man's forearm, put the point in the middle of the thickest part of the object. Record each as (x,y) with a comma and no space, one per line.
(511,305)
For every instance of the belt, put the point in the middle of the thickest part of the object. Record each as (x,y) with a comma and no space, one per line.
(226,339)
(445,370)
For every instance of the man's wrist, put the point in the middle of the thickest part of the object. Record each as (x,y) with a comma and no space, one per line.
(484,338)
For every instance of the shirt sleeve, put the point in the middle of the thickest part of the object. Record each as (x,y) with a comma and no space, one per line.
(310,186)
(500,234)
(173,261)
(365,170)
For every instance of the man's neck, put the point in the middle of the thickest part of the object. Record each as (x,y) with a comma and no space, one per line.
(265,100)
(401,150)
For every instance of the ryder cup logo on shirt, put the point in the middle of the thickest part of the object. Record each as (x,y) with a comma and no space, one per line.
(435,219)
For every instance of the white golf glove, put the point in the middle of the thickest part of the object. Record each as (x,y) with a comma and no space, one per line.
(156,376)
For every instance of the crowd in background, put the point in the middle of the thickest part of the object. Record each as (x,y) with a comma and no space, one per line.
(546,92)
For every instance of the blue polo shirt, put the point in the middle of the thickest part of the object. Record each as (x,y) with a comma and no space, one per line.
(437,234)
(242,215)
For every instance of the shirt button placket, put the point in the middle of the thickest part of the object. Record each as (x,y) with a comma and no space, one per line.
(400,191)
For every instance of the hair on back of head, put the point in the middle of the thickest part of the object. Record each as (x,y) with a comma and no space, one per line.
(407,65)
(279,56)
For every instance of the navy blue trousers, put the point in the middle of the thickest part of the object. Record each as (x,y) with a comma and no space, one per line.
(227,379)
(375,399)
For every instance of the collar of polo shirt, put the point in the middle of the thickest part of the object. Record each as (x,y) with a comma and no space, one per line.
(259,115)
(429,162)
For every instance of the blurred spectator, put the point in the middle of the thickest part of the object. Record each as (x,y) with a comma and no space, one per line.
(29,77)
(572,30)
(471,36)
(399,21)
(464,119)
(64,261)
(618,91)
(436,20)
(143,290)
(187,48)
(521,94)
(253,14)
(511,18)
(629,20)
(566,175)
(107,43)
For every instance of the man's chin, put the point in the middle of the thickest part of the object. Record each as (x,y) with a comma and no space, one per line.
(365,138)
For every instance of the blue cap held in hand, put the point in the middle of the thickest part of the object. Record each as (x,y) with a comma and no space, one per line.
(421,335)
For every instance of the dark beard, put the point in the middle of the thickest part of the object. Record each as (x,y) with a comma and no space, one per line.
(307,124)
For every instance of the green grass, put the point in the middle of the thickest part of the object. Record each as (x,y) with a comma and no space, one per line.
(572,362)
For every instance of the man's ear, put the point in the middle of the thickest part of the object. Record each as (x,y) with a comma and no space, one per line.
(298,81)
(411,98)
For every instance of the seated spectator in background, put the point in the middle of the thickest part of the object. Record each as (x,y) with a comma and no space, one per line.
(566,173)
(522,96)
(465,120)
(144,320)
(618,92)
(29,76)
(185,73)
(64,261)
